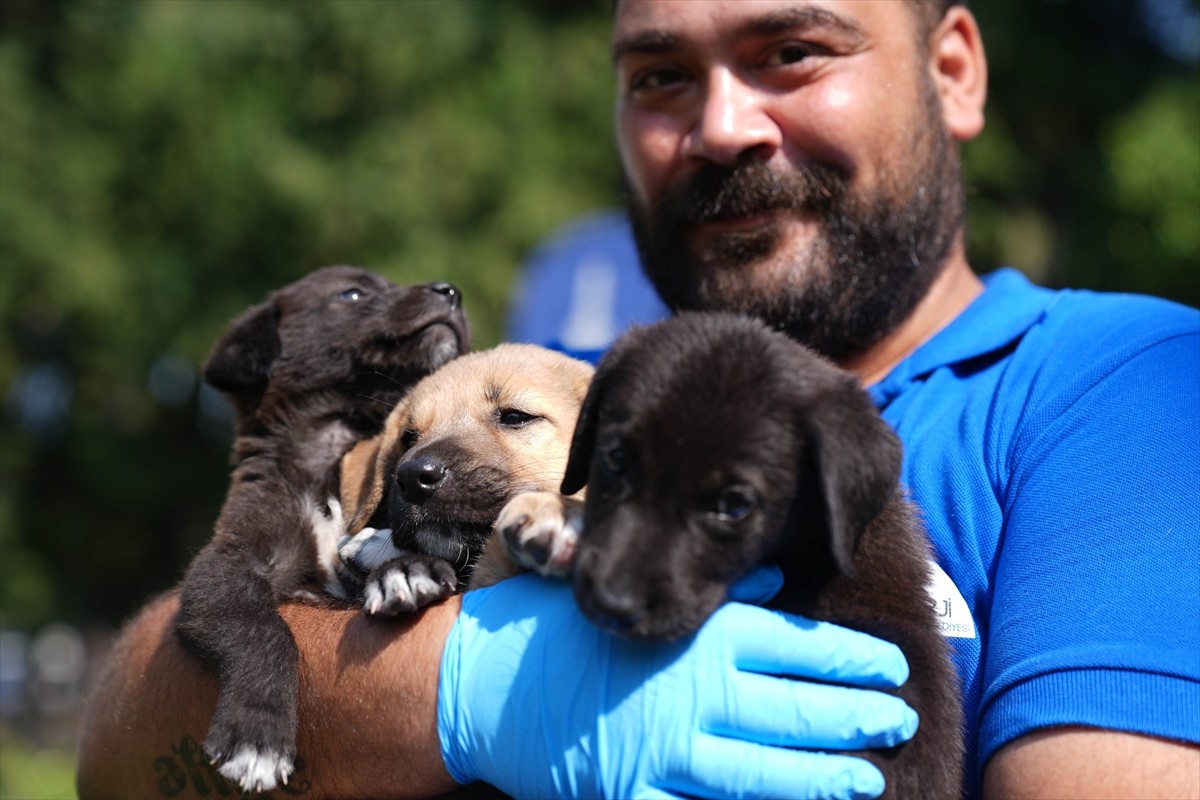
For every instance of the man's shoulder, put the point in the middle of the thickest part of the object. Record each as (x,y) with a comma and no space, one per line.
(1083,331)
(1064,345)
(1113,317)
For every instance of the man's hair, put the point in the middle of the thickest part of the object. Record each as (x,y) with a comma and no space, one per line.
(931,12)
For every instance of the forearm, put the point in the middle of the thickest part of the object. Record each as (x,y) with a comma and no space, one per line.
(368,704)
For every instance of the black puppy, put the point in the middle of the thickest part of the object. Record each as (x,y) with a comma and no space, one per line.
(709,444)
(311,371)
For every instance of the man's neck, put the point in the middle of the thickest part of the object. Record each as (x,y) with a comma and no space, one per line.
(952,291)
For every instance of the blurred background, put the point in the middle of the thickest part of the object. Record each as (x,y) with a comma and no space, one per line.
(165,164)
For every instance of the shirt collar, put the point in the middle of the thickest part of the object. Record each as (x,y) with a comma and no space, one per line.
(1008,307)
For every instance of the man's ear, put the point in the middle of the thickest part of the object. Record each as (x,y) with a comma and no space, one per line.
(958,66)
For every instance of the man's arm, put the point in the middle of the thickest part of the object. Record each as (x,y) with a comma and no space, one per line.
(149,708)
(1065,763)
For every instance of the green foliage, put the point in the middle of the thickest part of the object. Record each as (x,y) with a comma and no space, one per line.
(1088,172)
(28,772)
(164,164)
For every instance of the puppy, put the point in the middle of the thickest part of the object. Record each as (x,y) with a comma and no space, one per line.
(462,443)
(311,371)
(709,444)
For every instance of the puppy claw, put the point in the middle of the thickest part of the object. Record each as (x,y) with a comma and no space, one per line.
(541,530)
(406,584)
(256,771)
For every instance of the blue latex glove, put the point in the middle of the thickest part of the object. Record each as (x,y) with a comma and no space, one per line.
(539,702)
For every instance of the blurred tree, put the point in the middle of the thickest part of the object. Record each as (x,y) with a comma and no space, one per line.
(165,164)
(1088,173)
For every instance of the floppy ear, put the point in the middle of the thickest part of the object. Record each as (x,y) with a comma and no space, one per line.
(583,440)
(360,491)
(856,456)
(243,356)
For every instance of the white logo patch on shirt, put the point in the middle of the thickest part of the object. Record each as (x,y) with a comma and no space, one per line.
(953,616)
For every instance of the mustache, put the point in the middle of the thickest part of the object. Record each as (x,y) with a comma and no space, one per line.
(715,193)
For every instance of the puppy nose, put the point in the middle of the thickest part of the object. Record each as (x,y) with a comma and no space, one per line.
(420,478)
(611,606)
(450,291)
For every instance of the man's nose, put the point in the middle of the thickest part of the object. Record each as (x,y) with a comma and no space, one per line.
(734,120)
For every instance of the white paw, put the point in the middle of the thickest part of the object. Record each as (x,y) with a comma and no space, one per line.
(408,584)
(255,771)
(541,531)
(368,549)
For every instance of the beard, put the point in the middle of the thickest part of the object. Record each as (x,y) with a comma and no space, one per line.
(876,252)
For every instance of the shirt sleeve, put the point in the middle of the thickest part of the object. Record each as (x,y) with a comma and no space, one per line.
(1095,618)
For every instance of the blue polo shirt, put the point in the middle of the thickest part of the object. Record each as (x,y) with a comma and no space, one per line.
(1052,440)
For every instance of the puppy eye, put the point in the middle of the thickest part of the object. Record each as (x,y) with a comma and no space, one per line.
(352,294)
(409,438)
(734,504)
(515,418)
(615,459)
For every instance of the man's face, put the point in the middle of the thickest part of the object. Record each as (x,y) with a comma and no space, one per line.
(786,159)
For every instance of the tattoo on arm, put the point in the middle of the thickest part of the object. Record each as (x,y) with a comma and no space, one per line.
(186,765)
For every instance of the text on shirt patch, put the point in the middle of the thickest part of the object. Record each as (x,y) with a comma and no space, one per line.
(953,616)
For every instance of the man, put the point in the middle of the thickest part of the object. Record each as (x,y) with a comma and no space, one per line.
(797,160)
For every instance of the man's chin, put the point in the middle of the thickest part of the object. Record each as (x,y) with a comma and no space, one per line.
(779,271)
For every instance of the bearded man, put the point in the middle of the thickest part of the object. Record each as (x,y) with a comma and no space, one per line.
(797,160)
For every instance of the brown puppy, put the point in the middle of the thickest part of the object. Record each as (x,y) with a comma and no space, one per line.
(709,444)
(462,443)
(311,371)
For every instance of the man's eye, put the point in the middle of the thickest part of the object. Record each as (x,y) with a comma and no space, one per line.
(352,294)
(791,53)
(651,80)
(515,418)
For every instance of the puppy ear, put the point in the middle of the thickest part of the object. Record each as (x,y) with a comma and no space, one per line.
(857,457)
(243,356)
(583,440)
(361,492)
(372,460)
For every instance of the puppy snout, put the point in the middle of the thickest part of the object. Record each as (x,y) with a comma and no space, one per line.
(420,478)
(449,291)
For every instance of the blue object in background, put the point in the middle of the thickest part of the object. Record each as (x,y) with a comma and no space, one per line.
(582,288)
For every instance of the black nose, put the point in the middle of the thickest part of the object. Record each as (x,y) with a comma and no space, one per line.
(609,604)
(420,478)
(450,291)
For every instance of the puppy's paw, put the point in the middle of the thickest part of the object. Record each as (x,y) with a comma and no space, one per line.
(368,549)
(256,754)
(257,771)
(405,584)
(358,556)
(541,530)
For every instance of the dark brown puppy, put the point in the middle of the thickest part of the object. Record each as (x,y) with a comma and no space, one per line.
(311,371)
(710,444)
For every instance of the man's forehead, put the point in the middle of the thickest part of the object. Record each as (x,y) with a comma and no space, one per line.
(649,25)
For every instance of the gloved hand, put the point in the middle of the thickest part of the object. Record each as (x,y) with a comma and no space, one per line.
(537,701)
